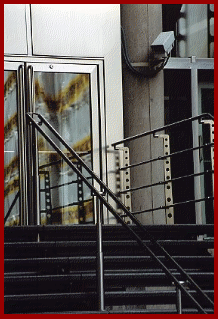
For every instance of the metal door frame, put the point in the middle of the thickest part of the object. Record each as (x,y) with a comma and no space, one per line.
(18,67)
(95,69)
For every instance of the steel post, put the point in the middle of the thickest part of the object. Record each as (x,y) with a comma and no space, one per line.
(100,270)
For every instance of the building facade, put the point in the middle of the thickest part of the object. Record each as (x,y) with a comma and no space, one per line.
(65,62)
(108,158)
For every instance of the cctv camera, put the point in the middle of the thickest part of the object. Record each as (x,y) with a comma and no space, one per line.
(164,42)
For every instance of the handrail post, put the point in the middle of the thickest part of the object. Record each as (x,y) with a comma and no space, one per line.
(179,301)
(179,298)
(100,269)
(106,203)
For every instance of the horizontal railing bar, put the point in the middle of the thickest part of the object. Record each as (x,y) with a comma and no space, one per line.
(59,161)
(165,182)
(131,138)
(68,205)
(61,185)
(123,207)
(172,205)
(165,156)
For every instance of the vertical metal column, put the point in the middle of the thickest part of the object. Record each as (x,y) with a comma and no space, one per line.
(100,270)
(34,211)
(179,298)
(22,149)
(179,301)
(195,132)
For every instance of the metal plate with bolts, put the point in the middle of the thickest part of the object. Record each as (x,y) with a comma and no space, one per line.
(211,123)
(123,178)
(167,176)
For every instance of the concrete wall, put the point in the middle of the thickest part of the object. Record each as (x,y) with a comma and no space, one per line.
(143,100)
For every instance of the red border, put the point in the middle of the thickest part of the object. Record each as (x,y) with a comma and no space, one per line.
(2,233)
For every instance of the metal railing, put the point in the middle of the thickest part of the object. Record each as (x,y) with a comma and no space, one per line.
(11,206)
(100,193)
(41,190)
(48,189)
(168,180)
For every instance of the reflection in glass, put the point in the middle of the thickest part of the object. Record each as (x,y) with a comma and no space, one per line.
(193,28)
(64,100)
(11,155)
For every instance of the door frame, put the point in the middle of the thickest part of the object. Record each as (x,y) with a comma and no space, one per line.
(95,69)
(18,67)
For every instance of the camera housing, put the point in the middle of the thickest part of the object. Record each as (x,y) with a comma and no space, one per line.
(164,43)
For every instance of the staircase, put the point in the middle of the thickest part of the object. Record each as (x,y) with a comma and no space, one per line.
(52,269)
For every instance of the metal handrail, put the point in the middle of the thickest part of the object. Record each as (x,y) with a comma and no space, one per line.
(165,182)
(102,199)
(59,161)
(191,119)
(166,156)
(172,205)
(69,205)
(12,206)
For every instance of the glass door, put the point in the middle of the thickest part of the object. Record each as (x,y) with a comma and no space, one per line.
(15,204)
(40,188)
(67,96)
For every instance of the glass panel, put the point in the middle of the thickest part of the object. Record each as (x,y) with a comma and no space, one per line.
(64,100)
(11,155)
(192,32)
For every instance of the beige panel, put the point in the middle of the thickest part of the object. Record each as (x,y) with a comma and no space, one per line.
(15,37)
(78,30)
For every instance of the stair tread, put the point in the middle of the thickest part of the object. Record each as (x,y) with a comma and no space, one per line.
(107,293)
(42,285)
(109,242)
(76,259)
(107,273)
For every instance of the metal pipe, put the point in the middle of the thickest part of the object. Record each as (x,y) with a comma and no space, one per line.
(165,156)
(179,301)
(22,147)
(68,205)
(128,139)
(122,206)
(173,205)
(100,270)
(59,161)
(61,185)
(34,153)
(165,182)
